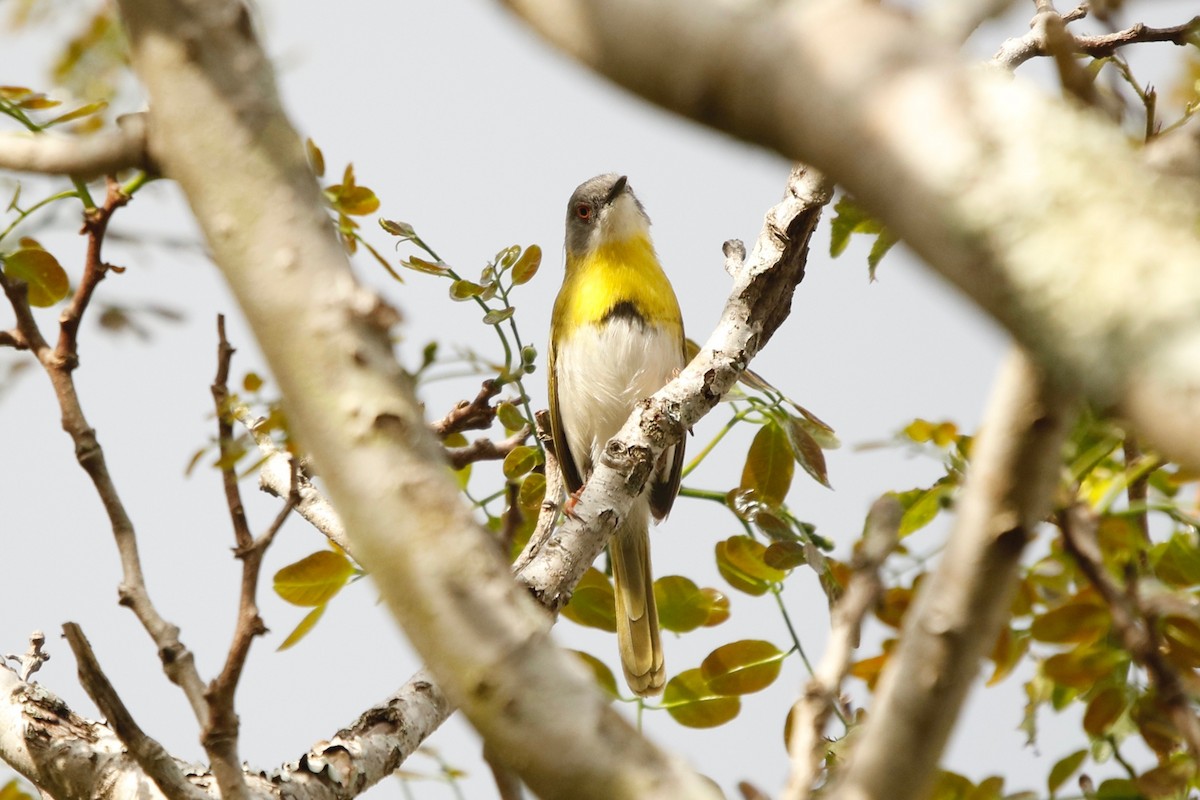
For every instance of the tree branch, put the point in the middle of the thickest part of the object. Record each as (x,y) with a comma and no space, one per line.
(59,364)
(1133,623)
(32,659)
(220,735)
(151,756)
(84,157)
(856,89)
(961,605)
(477,414)
(485,449)
(813,709)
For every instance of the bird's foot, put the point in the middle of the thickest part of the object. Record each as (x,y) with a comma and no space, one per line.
(572,499)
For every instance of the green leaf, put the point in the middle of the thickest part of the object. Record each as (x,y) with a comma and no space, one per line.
(690,701)
(921,506)
(1177,561)
(600,672)
(784,555)
(1063,769)
(510,417)
(520,460)
(314,579)
(593,604)
(769,465)
(849,218)
(301,630)
(750,665)
(682,607)
(1118,789)
(879,249)
(807,451)
(527,265)
(741,561)
(1081,668)
(498,315)
(40,271)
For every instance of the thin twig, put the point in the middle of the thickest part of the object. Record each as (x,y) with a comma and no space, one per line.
(33,658)
(485,449)
(477,414)
(813,710)
(151,756)
(59,363)
(1132,621)
(220,735)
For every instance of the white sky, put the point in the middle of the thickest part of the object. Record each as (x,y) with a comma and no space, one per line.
(471,130)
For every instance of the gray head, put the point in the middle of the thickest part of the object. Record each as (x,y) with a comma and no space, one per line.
(603,209)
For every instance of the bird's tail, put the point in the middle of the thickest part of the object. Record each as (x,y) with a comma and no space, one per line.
(637,614)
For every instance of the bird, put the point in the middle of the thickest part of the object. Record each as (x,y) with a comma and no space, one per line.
(616,337)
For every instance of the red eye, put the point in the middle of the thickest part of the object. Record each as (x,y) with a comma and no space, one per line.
(583,211)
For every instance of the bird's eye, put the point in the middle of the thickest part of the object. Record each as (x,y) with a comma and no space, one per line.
(583,211)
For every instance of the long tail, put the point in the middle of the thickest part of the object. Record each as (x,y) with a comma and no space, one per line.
(637,614)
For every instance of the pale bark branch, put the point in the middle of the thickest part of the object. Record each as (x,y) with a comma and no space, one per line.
(32,659)
(218,130)
(972,168)
(813,710)
(81,156)
(960,607)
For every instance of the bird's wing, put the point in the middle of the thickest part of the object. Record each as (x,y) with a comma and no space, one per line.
(562,450)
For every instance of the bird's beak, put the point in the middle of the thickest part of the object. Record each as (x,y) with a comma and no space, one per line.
(616,190)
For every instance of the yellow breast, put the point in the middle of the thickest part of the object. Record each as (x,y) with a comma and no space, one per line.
(616,272)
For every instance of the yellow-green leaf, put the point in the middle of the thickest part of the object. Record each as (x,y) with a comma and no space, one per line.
(79,113)
(13,791)
(718,607)
(784,555)
(520,460)
(1168,780)
(1103,710)
(461,476)
(682,607)
(316,158)
(1072,622)
(510,417)
(740,561)
(769,465)
(354,201)
(921,506)
(600,672)
(460,289)
(750,665)
(498,315)
(45,278)
(593,604)
(532,492)
(314,579)
(690,701)
(301,630)
(252,382)
(1081,669)
(1063,769)
(527,265)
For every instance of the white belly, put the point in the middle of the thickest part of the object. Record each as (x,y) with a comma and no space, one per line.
(603,371)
